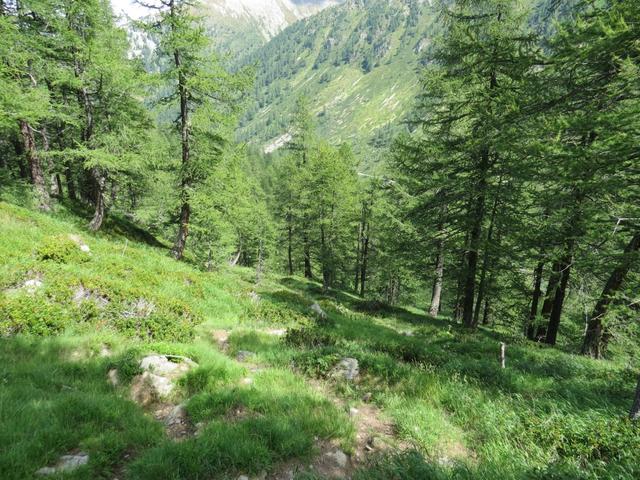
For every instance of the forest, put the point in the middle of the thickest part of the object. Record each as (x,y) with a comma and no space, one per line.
(504,204)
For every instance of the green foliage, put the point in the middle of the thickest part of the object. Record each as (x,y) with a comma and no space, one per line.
(60,249)
(31,314)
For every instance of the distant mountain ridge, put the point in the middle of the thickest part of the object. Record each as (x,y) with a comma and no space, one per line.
(270,17)
(239,27)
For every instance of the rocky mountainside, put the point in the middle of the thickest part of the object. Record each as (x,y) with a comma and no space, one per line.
(241,26)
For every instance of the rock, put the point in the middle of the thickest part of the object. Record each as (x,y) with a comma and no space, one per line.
(156,381)
(80,243)
(244,355)
(221,337)
(82,294)
(141,308)
(163,366)
(246,381)
(32,285)
(406,333)
(112,375)
(277,332)
(367,397)
(149,387)
(255,298)
(338,457)
(243,477)
(66,463)
(347,368)
(353,412)
(105,351)
(317,309)
(177,416)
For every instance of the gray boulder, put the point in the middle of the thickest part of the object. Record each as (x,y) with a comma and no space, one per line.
(66,463)
(347,368)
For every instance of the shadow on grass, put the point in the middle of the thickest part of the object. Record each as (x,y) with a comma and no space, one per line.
(533,370)
(113,225)
(53,402)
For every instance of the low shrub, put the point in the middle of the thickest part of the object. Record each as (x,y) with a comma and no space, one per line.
(31,315)
(60,249)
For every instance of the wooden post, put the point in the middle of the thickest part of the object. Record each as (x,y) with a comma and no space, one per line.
(503,347)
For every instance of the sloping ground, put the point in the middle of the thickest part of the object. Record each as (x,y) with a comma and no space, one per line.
(265,399)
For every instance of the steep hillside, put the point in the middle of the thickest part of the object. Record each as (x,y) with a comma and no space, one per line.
(356,62)
(277,392)
(241,26)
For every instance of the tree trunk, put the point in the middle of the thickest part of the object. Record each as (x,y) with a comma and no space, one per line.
(356,282)
(99,185)
(457,307)
(326,273)
(35,166)
(18,146)
(476,210)
(558,301)
(530,328)
(183,231)
(365,259)
(486,312)
(634,413)
(547,306)
(485,265)
(436,292)
(53,182)
(185,211)
(71,187)
(306,253)
(592,344)
(289,244)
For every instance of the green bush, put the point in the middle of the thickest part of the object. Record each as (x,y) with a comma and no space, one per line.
(587,440)
(276,313)
(31,315)
(169,321)
(60,249)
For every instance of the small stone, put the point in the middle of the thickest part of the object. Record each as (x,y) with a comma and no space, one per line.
(244,355)
(276,332)
(243,477)
(255,298)
(247,381)
(177,416)
(77,239)
(347,368)
(353,412)
(338,457)
(149,387)
(112,375)
(163,366)
(66,463)
(32,285)
(367,397)
(317,309)
(141,308)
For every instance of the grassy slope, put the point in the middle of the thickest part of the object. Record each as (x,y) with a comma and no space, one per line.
(548,415)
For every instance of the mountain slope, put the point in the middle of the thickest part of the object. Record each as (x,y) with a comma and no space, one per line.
(355,62)
(241,26)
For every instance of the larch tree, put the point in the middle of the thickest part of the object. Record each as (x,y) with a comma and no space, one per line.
(205,96)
